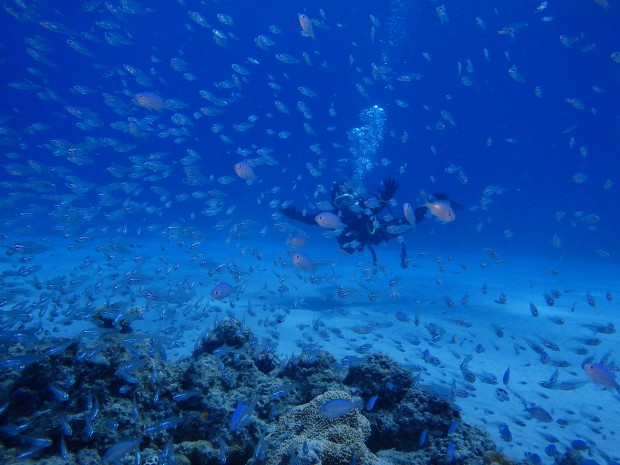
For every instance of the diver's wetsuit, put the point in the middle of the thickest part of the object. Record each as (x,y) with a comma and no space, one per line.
(359,220)
(360,230)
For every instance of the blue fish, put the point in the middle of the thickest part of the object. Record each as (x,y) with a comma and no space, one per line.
(450,452)
(533,458)
(371,403)
(119,450)
(505,433)
(224,449)
(551,450)
(402,316)
(37,443)
(579,444)
(453,426)
(240,416)
(64,453)
(221,291)
(185,395)
(423,435)
(506,377)
(338,407)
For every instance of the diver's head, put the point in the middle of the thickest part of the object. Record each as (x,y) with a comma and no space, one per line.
(344,200)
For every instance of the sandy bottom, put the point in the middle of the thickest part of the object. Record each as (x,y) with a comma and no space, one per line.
(472,307)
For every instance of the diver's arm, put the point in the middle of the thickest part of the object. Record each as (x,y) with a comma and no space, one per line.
(335,188)
(386,193)
(388,190)
(294,214)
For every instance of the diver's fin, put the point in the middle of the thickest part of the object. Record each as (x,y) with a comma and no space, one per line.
(419,214)
(294,214)
(442,196)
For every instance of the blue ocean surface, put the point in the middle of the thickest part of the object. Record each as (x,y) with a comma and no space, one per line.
(170,158)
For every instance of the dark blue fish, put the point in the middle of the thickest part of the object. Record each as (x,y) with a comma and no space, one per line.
(539,414)
(260,450)
(59,394)
(19,362)
(283,391)
(88,427)
(64,453)
(579,444)
(533,458)
(450,452)
(168,423)
(402,316)
(551,450)
(167,453)
(453,426)
(423,435)
(502,395)
(224,449)
(185,395)
(119,450)
(65,427)
(371,403)
(506,377)
(505,433)
(240,416)
(549,437)
(37,443)
(125,389)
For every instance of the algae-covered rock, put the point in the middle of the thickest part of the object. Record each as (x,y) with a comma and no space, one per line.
(380,375)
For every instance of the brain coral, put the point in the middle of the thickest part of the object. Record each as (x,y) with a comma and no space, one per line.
(304,436)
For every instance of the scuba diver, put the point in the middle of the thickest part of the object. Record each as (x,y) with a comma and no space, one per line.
(362,224)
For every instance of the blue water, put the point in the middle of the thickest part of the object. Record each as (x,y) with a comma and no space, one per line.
(534,169)
(551,163)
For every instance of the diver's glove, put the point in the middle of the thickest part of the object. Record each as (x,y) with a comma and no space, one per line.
(294,214)
(389,189)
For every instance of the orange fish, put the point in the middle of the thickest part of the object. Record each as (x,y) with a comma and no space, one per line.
(601,374)
(306,25)
(298,241)
(329,221)
(442,210)
(301,261)
(135,130)
(151,101)
(245,172)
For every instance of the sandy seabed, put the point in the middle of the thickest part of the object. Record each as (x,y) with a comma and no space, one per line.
(440,315)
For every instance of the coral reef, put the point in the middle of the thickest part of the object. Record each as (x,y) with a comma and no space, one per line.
(76,402)
(304,436)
